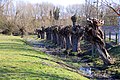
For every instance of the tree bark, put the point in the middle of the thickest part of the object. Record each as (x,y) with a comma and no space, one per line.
(62,42)
(74,43)
(42,33)
(54,38)
(48,33)
(104,55)
(68,42)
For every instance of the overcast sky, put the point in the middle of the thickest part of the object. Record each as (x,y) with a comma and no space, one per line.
(67,2)
(57,2)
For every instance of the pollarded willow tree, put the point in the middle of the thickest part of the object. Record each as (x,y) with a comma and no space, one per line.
(76,34)
(94,35)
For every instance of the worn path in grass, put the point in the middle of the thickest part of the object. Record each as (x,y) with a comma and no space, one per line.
(21,62)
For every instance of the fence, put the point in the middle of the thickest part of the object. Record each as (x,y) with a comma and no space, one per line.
(110,37)
(111,33)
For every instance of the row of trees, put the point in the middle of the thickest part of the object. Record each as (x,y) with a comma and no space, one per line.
(69,37)
(21,15)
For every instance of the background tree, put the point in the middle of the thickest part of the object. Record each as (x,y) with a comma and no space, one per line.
(56,13)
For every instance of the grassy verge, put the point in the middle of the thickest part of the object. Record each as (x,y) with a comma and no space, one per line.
(20,62)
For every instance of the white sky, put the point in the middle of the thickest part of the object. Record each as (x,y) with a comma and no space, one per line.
(57,2)
(67,2)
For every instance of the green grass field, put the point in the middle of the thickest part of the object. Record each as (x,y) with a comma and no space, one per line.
(19,61)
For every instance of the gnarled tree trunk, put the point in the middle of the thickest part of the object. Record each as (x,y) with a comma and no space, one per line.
(77,34)
(68,42)
(95,35)
(48,33)
(67,36)
(38,32)
(42,33)
(104,54)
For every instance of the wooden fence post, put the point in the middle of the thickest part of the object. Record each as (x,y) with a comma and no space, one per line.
(104,36)
(116,38)
(109,36)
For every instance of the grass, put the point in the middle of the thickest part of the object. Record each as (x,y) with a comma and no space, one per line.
(19,61)
(115,52)
(92,60)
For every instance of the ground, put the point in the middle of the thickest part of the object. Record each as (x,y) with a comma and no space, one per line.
(85,59)
(20,61)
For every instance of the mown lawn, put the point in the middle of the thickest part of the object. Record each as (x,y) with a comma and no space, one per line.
(19,61)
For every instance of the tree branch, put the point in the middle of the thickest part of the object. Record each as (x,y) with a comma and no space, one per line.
(114,10)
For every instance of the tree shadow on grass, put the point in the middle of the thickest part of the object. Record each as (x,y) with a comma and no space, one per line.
(46,75)
(60,63)
(37,57)
(16,47)
(18,40)
(6,74)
